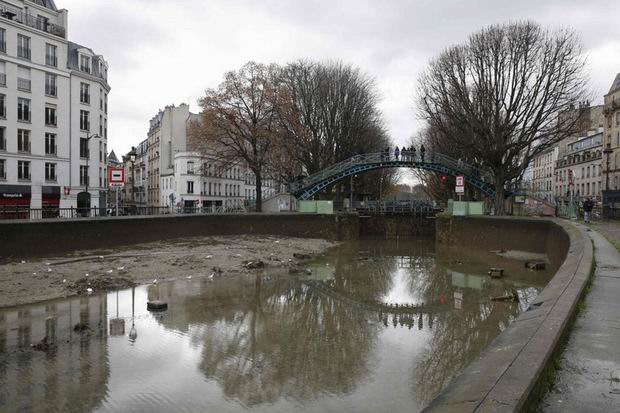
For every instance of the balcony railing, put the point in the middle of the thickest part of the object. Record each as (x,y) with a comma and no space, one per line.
(29,20)
(51,60)
(23,52)
(23,84)
(51,90)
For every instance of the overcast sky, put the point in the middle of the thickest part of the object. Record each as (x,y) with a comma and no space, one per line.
(165,52)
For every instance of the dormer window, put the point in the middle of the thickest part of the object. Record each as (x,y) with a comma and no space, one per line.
(85,63)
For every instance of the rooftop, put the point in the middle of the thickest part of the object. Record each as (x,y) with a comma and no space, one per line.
(36,22)
(615,85)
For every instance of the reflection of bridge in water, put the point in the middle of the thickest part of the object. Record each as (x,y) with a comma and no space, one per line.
(400,312)
(434,162)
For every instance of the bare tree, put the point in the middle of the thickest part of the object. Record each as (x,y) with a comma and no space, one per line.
(498,96)
(328,112)
(238,122)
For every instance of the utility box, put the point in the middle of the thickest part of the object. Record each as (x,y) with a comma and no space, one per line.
(460,209)
(476,208)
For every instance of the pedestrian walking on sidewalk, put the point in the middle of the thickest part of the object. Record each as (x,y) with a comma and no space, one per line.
(588,206)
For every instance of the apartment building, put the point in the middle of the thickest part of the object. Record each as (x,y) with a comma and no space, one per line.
(53,111)
(612,134)
(584,159)
(543,166)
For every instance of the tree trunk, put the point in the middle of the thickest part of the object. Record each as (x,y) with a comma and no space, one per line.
(499,194)
(259,191)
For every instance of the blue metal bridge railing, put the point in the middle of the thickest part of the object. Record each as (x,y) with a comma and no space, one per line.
(306,188)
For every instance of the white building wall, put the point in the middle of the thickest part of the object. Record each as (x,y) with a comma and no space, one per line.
(67,104)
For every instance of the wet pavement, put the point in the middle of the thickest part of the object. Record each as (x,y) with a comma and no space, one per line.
(589,376)
(373,326)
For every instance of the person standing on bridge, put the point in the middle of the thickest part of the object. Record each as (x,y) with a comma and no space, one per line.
(412,150)
(422,152)
(386,154)
(404,154)
(396,153)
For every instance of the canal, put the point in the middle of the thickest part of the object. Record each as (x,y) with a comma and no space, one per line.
(373,325)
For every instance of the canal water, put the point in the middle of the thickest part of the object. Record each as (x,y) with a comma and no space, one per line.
(372,326)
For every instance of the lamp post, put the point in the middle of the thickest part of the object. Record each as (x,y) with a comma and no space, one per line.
(132,159)
(87,180)
(607,151)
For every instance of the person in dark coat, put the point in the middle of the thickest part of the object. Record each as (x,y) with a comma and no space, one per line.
(396,153)
(404,154)
(412,150)
(588,206)
(422,152)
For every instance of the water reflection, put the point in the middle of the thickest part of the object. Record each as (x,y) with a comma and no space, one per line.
(70,372)
(377,326)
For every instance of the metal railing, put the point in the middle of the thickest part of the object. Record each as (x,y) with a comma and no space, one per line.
(23,84)
(428,160)
(27,19)
(50,212)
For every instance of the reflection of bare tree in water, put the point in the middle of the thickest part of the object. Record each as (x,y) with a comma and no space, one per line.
(459,335)
(288,343)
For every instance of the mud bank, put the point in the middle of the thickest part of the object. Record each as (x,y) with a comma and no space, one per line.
(81,273)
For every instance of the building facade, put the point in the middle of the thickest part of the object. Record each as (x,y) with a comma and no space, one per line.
(583,160)
(543,166)
(53,110)
(612,135)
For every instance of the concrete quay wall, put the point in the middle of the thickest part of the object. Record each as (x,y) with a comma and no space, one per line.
(515,370)
(40,238)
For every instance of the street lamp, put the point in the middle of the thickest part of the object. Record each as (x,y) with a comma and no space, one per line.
(88,138)
(607,151)
(132,159)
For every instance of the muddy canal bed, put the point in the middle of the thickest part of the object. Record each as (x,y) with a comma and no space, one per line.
(26,280)
(371,326)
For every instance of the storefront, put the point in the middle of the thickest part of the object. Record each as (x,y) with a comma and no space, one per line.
(50,201)
(15,201)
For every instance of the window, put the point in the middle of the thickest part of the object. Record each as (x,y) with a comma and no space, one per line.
(2,106)
(100,152)
(50,171)
(85,93)
(50,144)
(83,148)
(23,79)
(2,73)
(23,140)
(105,103)
(190,187)
(85,63)
(100,99)
(190,168)
(23,46)
(50,115)
(100,125)
(23,170)
(83,175)
(50,84)
(2,169)
(2,139)
(51,58)
(84,120)
(3,40)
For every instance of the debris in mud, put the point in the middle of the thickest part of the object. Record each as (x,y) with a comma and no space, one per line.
(535,265)
(81,327)
(82,286)
(253,265)
(496,272)
(43,345)
(513,297)
(217,270)
(302,256)
(157,305)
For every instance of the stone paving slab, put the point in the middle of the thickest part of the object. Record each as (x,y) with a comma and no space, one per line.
(589,377)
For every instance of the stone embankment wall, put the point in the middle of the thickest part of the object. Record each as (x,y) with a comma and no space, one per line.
(40,238)
(394,226)
(514,371)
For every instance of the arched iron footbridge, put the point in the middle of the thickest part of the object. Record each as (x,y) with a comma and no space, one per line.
(306,188)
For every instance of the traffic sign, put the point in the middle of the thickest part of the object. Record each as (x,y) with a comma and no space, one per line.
(116,177)
(460,184)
